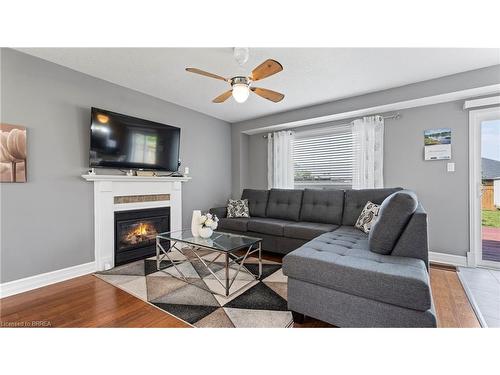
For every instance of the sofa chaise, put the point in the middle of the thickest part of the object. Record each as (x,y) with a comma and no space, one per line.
(336,272)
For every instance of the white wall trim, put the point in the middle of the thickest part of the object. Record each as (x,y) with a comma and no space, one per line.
(413,103)
(33,282)
(448,259)
(482,102)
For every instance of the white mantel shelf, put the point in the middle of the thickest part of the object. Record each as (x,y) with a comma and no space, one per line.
(110,177)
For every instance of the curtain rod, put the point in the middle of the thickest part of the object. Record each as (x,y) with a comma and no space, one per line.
(394,116)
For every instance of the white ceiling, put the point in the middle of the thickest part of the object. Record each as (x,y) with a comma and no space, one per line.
(310,75)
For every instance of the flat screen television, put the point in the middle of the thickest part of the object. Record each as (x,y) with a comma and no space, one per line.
(125,142)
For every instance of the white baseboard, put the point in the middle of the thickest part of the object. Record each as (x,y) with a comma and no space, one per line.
(33,282)
(448,259)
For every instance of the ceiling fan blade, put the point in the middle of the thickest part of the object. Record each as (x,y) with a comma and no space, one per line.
(266,69)
(206,74)
(268,94)
(223,97)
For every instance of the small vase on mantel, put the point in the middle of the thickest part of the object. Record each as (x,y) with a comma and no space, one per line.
(195,223)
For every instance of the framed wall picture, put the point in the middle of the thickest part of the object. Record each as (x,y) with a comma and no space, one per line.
(437,144)
(12,153)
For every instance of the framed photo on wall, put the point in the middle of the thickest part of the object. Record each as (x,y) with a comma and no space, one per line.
(437,144)
(13,153)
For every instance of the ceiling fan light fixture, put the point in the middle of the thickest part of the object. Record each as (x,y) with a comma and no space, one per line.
(240,92)
(242,85)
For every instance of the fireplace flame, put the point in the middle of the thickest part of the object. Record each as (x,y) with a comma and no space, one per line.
(141,232)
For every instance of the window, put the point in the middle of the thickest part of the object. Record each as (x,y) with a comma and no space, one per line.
(323,159)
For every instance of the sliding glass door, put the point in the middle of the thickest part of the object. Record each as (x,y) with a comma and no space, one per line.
(485,186)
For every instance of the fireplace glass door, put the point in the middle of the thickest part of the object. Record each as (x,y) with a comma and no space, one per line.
(135,233)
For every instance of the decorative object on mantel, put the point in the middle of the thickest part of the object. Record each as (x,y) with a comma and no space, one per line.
(195,223)
(437,144)
(12,153)
(208,223)
(145,173)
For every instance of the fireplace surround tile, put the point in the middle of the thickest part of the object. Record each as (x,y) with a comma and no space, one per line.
(121,199)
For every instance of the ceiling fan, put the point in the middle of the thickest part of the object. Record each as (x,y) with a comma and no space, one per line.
(242,85)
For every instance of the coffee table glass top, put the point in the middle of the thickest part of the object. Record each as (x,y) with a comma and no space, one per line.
(220,241)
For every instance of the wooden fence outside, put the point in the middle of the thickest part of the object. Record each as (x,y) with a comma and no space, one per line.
(487,200)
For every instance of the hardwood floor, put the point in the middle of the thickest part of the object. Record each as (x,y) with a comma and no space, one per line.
(450,301)
(87,301)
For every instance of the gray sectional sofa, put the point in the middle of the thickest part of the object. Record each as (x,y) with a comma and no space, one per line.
(334,274)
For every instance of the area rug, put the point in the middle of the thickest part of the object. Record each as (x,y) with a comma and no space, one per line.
(258,305)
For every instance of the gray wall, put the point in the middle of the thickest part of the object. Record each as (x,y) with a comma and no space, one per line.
(47,223)
(443,194)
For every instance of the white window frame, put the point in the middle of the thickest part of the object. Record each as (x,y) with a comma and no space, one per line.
(332,129)
(475,254)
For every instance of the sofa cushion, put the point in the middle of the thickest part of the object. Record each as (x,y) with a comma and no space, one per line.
(284,204)
(219,211)
(257,201)
(394,213)
(238,224)
(322,206)
(355,200)
(306,230)
(341,260)
(268,225)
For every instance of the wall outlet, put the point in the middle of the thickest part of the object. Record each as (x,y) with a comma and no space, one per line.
(186,171)
(450,167)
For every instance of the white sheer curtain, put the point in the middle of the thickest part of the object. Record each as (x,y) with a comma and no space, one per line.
(280,160)
(368,153)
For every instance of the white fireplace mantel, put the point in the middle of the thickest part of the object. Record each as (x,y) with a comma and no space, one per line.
(108,177)
(107,187)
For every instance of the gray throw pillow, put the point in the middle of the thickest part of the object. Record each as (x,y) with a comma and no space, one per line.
(237,208)
(393,215)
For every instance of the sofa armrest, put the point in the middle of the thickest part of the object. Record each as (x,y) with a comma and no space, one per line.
(220,212)
(413,242)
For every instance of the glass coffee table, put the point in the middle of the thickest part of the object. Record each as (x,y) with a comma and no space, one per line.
(232,250)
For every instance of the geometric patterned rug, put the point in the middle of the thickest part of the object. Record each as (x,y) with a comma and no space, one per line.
(261,304)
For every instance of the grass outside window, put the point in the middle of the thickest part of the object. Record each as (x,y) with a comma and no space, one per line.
(491,218)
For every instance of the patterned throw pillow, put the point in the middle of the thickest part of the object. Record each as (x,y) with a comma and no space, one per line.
(368,217)
(237,208)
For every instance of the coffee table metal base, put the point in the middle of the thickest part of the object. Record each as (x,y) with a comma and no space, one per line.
(230,260)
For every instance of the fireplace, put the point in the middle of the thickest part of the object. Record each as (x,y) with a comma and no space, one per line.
(135,233)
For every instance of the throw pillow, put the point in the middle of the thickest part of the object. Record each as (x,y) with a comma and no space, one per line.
(368,217)
(237,208)
(394,213)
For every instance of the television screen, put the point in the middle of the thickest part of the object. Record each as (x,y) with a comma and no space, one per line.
(120,141)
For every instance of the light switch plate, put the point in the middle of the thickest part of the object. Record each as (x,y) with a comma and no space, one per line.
(450,167)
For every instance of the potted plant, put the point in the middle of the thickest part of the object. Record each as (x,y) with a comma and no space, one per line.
(208,223)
